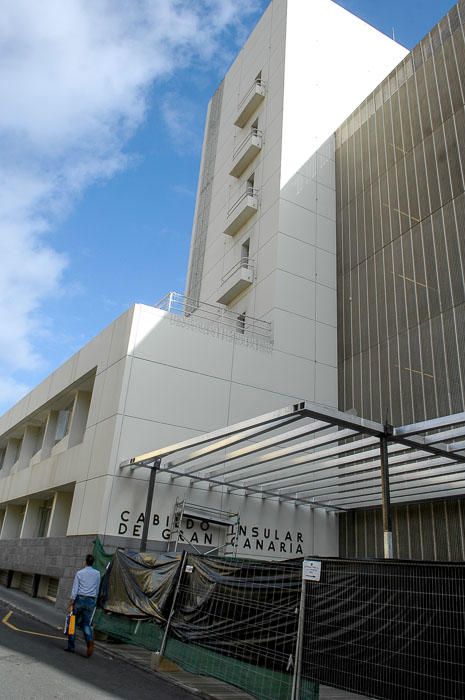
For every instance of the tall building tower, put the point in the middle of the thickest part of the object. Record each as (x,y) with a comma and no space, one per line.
(257,331)
(264,236)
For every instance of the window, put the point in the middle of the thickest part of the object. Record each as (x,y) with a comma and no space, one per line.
(52,589)
(44,519)
(63,422)
(245,249)
(250,184)
(39,439)
(17,450)
(2,456)
(255,124)
(241,323)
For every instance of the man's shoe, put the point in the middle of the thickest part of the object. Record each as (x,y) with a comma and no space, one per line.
(71,651)
(90,648)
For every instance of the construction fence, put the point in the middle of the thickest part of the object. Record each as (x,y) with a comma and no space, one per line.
(384,629)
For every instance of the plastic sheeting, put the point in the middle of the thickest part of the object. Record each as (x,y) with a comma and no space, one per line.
(386,629)
(139,585)
(243,609)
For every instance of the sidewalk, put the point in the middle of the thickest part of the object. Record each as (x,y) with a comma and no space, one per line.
(200,686)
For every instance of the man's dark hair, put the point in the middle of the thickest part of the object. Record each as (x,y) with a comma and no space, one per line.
(89,560)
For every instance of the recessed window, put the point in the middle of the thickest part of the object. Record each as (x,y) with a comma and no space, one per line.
(251,184)
(17,450)
(39,439)
(245,250)
(240,327)
(44,518)
(63,422)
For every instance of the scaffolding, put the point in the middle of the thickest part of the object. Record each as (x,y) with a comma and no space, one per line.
(227,522)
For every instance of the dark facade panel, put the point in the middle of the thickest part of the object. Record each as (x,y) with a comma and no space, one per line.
(400,173)
(400,196)
(428,531)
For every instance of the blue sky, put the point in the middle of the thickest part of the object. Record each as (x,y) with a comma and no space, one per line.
(103,106)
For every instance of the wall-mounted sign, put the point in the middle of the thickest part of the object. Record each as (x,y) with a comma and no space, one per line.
(250,538)
(311,570)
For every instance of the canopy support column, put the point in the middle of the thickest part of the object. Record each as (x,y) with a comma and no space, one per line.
(148,505)
(385,494)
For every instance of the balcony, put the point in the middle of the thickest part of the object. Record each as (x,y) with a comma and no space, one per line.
(246,151)
(241,211)
(237,279)
(250,102)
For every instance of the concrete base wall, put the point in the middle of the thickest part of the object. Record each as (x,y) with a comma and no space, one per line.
(58,557)
(61,557)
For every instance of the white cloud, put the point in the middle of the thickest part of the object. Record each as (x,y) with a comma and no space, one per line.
(181,117)
(74,84)
(11,390)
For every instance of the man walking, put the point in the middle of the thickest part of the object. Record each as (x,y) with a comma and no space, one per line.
(83,601)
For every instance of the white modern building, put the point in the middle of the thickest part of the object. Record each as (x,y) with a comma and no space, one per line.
(256,330)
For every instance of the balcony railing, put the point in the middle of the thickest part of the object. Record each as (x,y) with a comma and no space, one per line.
(257,133)
(245,263)
(241,211)
(249,103)
(239,278)
(248,192)
(217,318)
(246,151)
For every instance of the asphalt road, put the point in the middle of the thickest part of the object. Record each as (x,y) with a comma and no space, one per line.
(35,667)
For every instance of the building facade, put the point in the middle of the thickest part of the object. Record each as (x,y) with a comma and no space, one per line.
(318,271)
(400,164)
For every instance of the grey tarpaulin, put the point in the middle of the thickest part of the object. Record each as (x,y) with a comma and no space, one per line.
(244,609)
(139,585)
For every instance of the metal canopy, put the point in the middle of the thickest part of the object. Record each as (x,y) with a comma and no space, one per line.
(315,456)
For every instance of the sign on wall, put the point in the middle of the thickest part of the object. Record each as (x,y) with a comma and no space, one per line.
(251,537)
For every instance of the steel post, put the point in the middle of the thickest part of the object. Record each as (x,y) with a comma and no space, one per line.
(148,505)
(178,586)
(296,680)
(386,497)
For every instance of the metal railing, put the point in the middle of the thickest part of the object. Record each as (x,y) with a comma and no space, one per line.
(249,92)
(222,319)
(253,132)
(249,192)
(246,263)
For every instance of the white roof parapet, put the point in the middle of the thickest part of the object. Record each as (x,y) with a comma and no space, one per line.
(217,318)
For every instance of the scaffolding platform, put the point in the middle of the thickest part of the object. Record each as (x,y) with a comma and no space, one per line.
(225,520)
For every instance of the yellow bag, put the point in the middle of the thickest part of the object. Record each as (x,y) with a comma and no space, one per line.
(70,624)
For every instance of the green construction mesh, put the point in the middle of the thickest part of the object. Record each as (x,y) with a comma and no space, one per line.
(262,683)
(101,558)
(141,633)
